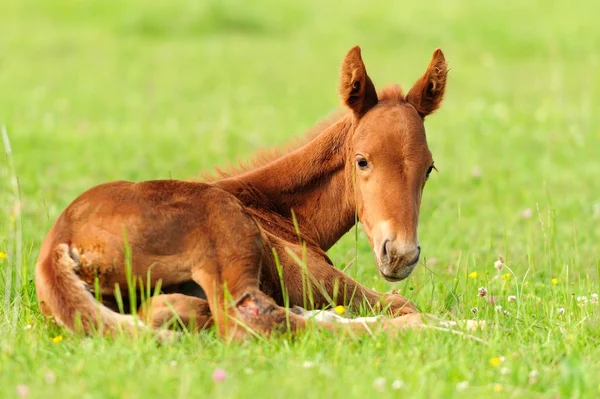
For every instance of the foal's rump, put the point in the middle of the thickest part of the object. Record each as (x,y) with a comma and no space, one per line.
(160,229)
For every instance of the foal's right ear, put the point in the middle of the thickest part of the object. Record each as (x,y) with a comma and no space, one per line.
(428,92)
(356,88)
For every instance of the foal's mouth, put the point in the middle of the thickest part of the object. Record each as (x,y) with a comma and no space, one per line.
(402,273)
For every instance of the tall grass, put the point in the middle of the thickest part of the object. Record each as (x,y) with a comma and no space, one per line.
(15,271)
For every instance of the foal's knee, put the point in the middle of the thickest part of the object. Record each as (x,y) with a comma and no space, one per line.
(399,305)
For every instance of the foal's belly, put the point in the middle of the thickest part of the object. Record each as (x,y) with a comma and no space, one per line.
(110,261)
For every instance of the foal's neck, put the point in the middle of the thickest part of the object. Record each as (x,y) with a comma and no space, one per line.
(312,182)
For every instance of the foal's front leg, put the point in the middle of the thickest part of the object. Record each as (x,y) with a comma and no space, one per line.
(228,261)
(327,284)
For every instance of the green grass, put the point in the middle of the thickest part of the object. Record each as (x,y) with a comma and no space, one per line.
(103,90)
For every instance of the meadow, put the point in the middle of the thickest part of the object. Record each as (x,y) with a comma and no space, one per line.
(105,89)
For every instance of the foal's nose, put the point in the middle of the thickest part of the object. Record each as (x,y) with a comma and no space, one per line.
(398,258)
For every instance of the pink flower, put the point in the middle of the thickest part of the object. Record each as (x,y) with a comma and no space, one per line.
(219,375)
(50,377)
(379,384)
(22,390)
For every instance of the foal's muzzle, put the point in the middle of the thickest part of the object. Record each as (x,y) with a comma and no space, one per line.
(397,259)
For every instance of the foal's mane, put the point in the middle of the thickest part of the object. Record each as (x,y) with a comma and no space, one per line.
(390,94)
(264,157)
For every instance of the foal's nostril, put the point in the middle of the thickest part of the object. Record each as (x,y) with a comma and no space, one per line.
(385,250)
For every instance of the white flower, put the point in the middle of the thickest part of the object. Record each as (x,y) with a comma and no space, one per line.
(474,310)
(482,292)
(397,384)
(498,308)
(561,310)
(308,364)
(506,313)
(461,386)
(498,265)
(533,376)
(504,370)
(173,363)
(502,359)
(594,299)
(512,298)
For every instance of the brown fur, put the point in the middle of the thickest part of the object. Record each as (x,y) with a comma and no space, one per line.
(211,245)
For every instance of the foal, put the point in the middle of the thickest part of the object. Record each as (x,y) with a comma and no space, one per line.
(215,246)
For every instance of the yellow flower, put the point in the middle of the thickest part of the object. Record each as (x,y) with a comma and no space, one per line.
(506,276)
(473,275)
(340,309)
(57,339)
(554,281)
(2,255)
(495,361)
(526,283)
(497,387)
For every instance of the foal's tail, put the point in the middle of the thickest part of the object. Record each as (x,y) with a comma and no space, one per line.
(62,295)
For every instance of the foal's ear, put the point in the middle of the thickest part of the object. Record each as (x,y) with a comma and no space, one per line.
(356,88)
(427,93)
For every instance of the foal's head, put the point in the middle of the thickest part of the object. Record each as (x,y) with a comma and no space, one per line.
(389,159)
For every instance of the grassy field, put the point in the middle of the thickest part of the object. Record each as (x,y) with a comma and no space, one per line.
(102,90)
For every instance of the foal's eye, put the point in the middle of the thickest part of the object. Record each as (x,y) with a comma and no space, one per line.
(431,168)
(362,163)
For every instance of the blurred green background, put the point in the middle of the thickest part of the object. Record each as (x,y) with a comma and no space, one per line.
(99,90)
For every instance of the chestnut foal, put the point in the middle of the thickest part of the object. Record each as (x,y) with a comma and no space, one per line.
(213,245)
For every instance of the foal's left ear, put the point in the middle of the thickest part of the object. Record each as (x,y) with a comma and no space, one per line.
(427,93)
(356,88)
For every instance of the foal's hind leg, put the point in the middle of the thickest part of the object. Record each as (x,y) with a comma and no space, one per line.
(170,309)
